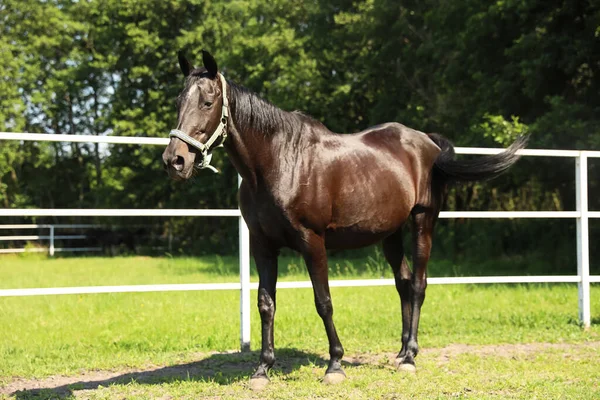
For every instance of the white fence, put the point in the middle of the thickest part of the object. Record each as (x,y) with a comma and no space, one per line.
(51,237)
(582,215)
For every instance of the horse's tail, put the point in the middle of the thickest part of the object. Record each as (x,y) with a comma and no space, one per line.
(477,169)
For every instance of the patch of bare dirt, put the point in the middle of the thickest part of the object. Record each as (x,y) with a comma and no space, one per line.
(454,350)
(445,354)
(232,366)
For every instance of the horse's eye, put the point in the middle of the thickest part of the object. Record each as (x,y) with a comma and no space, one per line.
(208,104)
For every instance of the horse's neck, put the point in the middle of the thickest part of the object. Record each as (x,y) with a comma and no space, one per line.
(240,151)
(254,153)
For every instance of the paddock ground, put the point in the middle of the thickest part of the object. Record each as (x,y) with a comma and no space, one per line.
(478,341)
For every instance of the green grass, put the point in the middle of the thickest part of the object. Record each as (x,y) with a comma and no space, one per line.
(36,270)
(65,335)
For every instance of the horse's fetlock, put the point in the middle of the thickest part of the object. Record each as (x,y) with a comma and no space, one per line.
(336,352)
(413,347)
(268,358)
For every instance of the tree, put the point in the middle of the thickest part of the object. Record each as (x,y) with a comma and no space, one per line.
(480,73)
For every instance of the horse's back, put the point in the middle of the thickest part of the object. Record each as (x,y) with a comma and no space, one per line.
(396,137)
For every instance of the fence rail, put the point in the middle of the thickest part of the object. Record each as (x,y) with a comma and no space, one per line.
(54,250)
(581,215)
(51,237)
(41,237)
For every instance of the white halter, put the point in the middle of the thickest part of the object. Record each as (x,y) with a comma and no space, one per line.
(219,133)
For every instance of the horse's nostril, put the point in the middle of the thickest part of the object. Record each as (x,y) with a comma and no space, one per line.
(177,162)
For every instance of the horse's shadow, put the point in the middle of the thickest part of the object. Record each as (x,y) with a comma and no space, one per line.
(221,368)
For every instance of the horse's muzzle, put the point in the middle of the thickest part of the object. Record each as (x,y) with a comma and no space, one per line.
(176,165)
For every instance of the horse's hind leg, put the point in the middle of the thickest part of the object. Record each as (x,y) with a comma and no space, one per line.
(393,250)
(423,222)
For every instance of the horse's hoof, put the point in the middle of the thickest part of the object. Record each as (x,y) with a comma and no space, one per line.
(398,362)
(409,368)
(259,383)
(333,378)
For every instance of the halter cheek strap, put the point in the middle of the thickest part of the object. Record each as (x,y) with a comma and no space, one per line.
(219,133)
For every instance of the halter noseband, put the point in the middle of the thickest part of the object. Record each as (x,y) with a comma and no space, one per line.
(220,132)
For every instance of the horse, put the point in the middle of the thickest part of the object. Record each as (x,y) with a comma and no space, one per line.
(309,189)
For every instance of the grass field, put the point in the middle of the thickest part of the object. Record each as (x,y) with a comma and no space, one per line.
(484,341)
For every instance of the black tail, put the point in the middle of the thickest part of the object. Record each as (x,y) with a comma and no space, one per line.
(480,168)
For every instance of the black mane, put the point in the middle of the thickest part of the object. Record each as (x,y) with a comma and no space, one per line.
(262,116)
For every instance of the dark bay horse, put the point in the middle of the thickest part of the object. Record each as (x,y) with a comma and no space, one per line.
(309,189)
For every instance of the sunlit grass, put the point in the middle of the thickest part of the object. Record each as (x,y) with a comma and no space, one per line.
(37,270)
(52,335)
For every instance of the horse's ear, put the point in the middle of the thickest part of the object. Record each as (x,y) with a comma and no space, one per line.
(209,63)
(184,64)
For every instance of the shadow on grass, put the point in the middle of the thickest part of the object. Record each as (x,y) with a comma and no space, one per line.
(221,368)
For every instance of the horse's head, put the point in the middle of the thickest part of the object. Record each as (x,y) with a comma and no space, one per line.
(202,112)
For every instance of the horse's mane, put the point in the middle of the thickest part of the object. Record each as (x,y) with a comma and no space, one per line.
(262,116)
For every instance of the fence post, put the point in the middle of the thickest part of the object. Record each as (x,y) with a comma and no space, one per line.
(245,283)
(583,254)
(51,249)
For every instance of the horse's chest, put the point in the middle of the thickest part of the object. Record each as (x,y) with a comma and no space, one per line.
(266,217)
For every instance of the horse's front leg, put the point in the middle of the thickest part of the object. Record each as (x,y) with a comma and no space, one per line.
(266,264)
(315,257)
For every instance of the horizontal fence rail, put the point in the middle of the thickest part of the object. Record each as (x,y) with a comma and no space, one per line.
(180,287)
(581,215)
(107,212)
(37,226)
(190,212)
(52,251)
(47,137)
(38,237)
(51,237)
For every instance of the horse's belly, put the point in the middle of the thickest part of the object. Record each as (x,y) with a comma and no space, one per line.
(356,230)
(342,239)
(366,218)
